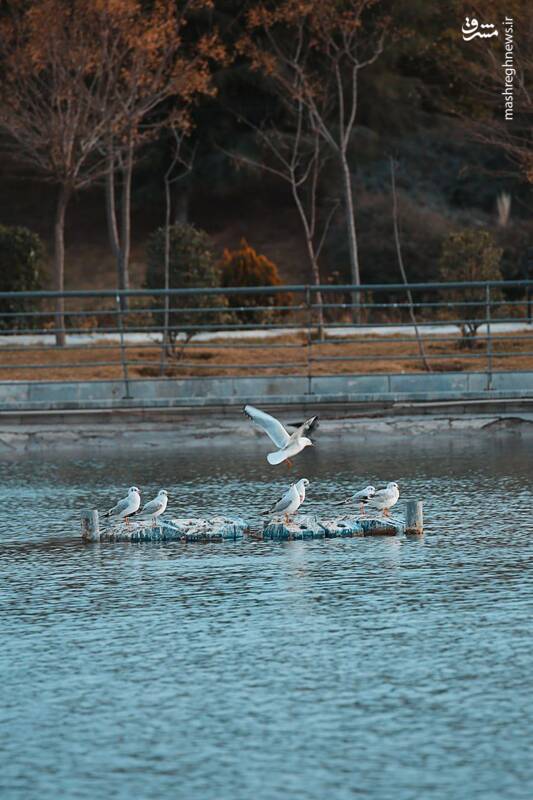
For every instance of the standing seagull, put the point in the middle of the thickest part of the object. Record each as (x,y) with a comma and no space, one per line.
(385,499)
(156,507)
(288,445)
(361,498)
(291,500)
(126,507)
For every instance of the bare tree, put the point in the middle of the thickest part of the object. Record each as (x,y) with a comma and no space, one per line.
(327,81)
(180,166)
(156,76)
(55,105)
(296,155)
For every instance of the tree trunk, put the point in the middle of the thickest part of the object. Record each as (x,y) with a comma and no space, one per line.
(181,203)
(398,244)
(59,263)
(111,210)
(350,228)
(315,270)
(124,254)
(315,273)
(165,338)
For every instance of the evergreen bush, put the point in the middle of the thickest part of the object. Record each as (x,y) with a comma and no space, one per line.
(470,255)
(21,270)
(192,266)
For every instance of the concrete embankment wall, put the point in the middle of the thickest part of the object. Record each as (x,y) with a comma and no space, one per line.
(282,390)
(160,412)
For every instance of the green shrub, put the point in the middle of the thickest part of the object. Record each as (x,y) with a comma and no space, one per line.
(470,255)
(245,267)
(21,270)
(192,266)
(422,230)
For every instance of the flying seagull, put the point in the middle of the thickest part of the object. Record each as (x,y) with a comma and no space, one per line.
(291,500)
(288,444)
(154,508)
(361,498)
(127,506)
(385,498)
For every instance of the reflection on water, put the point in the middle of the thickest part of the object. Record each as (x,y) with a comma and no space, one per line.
(387,668)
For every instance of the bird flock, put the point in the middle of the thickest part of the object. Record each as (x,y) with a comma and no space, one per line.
(288,445)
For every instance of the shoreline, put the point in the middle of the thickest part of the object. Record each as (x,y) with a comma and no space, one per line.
(138,433)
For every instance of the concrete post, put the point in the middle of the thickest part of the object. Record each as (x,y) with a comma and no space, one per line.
(90,528)
(414,518)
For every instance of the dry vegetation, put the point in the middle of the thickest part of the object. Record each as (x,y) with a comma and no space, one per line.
(287,355)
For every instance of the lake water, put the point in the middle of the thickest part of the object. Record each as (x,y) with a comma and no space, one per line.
(375,668)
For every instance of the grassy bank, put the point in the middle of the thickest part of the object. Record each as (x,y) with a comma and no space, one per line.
(286,355)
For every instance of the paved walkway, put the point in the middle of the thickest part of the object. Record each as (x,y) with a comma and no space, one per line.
(434,329)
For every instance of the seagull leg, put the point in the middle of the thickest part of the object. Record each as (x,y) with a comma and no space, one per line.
(289,463)
(386,512)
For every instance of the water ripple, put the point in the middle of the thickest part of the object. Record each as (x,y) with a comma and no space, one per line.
(388,668)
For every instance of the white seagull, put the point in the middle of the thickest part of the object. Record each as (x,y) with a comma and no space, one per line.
(361,498)
(291,500)
(127,506)
(154,508)
(384,499)
(288,445)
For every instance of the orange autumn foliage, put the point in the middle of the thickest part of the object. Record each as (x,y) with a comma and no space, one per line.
(246,267)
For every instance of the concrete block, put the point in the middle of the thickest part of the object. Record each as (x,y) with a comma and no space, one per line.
(350,384)
(429,382)
(52,393)
(476,381)
(512,381)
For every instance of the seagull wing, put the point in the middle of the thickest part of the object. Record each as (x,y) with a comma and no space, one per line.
(379,497)
(305,427)
(269,424)
(363,496)
(119,508)
(153,506)
(284,501)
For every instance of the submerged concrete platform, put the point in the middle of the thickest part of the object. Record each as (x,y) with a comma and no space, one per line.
(306,526)
(216,529)
(221,528)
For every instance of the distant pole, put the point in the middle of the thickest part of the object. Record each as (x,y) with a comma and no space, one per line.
(528,271)
(123,354)
(489,336)
(90,528)
(414,517)
(418,335)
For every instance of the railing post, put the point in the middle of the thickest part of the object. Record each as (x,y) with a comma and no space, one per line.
(123,354)
(489,335)
(309,304)
(164,335)
(90,528)
(528,268)
(414,517)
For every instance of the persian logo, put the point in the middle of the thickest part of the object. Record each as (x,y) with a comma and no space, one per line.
(486,30)
(473,28)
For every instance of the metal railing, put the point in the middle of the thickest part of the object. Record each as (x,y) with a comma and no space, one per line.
(295,330)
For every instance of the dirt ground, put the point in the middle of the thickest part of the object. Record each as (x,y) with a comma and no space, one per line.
(288,355)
